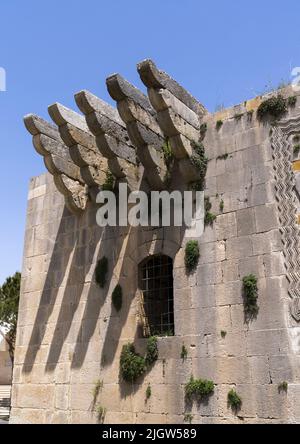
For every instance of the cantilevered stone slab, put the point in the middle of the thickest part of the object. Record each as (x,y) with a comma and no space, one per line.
(111,137)
(143,129)
(120,89)
(104,121)
(82,144)
(152,77)
(57,159)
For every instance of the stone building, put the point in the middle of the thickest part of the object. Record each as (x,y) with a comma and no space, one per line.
(5,360)
(70,332)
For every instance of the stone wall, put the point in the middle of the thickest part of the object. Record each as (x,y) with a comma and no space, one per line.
(70,336)
(5,363)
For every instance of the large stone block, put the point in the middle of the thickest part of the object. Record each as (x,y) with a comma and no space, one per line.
(239,247)
(245,222)
(266,218)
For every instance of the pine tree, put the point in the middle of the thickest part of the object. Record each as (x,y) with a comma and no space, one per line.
(9,304)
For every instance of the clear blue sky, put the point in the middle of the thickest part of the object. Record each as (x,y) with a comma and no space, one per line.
(222,51)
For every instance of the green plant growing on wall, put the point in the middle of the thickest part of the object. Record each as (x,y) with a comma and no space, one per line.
(209,217)
(148,392)
(223,156)
(296,138)
(183,353)
(167,152)
(101,412)
(291,101)
(250,295)
(117,297)
(133,365)
(109,182)
(221,206)
(192,254)
(168,158)
(198,389)
(238,116)
(219,124)
(275,107)
(101,271)
(223,334)
(188,417)
(203,129)
(234,400)
(163,334)
(96,390)
(151,350)
(282,387)
(199,160)
(250,115)
(296,149)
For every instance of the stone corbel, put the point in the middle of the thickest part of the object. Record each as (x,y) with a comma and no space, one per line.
(81,143)
(143,129)
(111,137)
(57,159)
(179,115)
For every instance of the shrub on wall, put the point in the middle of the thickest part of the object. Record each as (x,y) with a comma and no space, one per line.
(209,217)
(101,271)
(101,412)
(117,297)
(203,129)
(188,417)
(183,353)
(109,182)
(169,160)
(151,351)
(133,365)
(250,295)
(199,160)
(219,123)
(283,387)
(198,389)
(192,254)
(148,392)
(234,400)
(292,100)
(274,106)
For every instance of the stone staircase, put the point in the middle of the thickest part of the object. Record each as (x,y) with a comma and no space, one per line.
(5,391)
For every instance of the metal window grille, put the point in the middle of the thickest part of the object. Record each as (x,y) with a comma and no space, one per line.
(157,290)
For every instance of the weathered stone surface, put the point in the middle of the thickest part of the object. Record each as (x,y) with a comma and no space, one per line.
(82,144)
(62,116)
(112,139)
(135,108)
(120,89)
(69,334)
(162,99)
(67,175)
(36,125)
(173,125)
(153,78)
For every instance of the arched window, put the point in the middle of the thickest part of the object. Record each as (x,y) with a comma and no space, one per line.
(156,283)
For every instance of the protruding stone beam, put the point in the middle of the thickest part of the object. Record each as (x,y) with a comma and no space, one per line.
(152,77)
(82,145)
(67,176)
(179,115)
(111,137)
(142,126)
